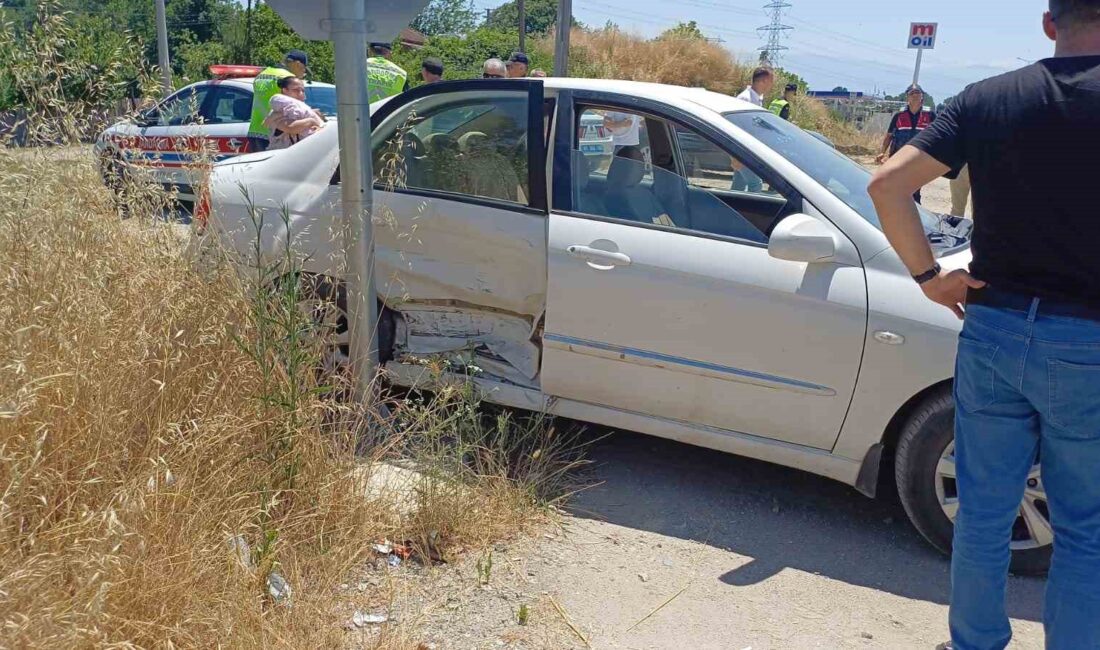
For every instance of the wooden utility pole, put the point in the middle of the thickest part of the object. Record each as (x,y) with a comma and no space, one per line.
(521,6)
(162,49)
(248,34)
(561,41)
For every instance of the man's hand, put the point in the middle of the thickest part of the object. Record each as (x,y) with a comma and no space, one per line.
(881,158)
(949,289)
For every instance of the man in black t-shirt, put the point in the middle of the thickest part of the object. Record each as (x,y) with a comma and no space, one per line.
(1028,366)
(907,124)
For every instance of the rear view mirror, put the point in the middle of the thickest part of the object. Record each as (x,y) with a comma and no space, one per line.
(802,238)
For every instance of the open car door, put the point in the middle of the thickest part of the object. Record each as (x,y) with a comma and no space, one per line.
(460,223)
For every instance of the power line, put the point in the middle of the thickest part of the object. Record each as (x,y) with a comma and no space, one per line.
(775,32)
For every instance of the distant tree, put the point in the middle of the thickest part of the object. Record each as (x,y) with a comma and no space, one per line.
(689,30)
(272,38)
(841,89)
(446,17)
(541,16)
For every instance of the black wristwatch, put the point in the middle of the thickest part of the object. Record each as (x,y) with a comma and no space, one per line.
(930,274)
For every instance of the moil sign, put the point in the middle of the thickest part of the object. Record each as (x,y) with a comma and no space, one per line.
(922,36)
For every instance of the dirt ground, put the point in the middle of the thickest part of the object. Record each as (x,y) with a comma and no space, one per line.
(675,547)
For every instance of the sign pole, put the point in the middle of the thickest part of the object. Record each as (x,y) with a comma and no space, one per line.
(916,71)
(348,29)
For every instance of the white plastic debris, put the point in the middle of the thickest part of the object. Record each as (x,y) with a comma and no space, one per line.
(238,546)
(359,619)
(278,588)
(385,548)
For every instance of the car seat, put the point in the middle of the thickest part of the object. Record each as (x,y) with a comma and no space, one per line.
(588,199)
(625,197)
(485,171)
(442,165)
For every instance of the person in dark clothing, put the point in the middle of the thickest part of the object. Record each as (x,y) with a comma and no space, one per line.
(906,125)
(1028,366)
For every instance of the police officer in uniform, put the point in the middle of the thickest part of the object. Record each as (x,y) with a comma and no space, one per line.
(782,106)
(906,125)
(266,86)
(384,77)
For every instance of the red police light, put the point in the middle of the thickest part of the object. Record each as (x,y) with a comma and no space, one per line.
(224,71)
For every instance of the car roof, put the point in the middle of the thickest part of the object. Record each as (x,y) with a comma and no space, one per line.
(702,97)
(247,83)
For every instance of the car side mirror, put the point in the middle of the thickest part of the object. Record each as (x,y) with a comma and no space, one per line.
(802,238)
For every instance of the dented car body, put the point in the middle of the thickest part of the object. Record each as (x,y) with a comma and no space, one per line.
(754,308)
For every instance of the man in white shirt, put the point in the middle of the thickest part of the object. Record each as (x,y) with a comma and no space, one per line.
(762,81)
(625,128)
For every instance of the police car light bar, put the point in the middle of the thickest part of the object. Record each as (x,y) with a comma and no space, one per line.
(235,71)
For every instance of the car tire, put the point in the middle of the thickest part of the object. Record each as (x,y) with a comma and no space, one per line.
(320,294)
(925,437)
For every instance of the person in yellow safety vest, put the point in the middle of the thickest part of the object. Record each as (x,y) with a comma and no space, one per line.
(782,106)
(266,86)
(384,77)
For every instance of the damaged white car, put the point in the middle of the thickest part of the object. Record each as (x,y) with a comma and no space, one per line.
(718,276)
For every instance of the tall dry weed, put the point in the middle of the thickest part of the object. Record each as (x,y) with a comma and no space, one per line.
(167,453)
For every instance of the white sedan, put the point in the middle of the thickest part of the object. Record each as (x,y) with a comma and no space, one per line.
(744,300)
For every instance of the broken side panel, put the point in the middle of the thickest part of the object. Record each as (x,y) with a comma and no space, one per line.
(467,279)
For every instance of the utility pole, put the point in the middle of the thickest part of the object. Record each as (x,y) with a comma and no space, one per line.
(162,49)
(561,40)
(521,6)
(248,34)
(349,39)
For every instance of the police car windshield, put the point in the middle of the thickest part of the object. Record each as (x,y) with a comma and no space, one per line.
(833,170)
(323,98)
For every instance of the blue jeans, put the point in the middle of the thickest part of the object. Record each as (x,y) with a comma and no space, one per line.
(1026,385)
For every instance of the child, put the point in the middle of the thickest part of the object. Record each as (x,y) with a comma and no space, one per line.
(291,119)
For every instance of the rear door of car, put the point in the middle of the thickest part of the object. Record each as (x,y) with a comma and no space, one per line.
(460,220)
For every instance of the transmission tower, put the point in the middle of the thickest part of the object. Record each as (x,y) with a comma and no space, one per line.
(774,32)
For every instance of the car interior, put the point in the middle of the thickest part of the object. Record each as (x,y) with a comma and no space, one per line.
(477,149)
(653,182)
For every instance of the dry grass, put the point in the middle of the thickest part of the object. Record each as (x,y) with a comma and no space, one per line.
(156,412)
(614,54)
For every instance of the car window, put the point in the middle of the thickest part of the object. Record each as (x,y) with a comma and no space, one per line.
(834,171)
(183,107)
(632,166)
(468,143)
(229,105)
(323,98)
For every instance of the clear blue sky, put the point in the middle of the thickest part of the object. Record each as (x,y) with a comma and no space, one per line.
(859,44)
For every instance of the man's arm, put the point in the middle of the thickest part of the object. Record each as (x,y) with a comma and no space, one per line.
(892,189)
(786,113)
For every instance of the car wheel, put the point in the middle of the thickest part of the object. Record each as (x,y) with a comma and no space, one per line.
(925,472)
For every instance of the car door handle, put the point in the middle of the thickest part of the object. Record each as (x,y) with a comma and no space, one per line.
(597,256)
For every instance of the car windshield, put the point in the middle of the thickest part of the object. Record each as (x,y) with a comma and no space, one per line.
(323,98)
(838,173)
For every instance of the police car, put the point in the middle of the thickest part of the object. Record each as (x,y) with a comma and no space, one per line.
(205,121)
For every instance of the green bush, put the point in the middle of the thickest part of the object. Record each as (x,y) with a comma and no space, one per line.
(463,56)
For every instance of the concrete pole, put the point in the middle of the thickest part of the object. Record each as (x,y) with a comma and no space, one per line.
(521,6)
(349,39)
(162,49)
(916,70)
(561,42)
